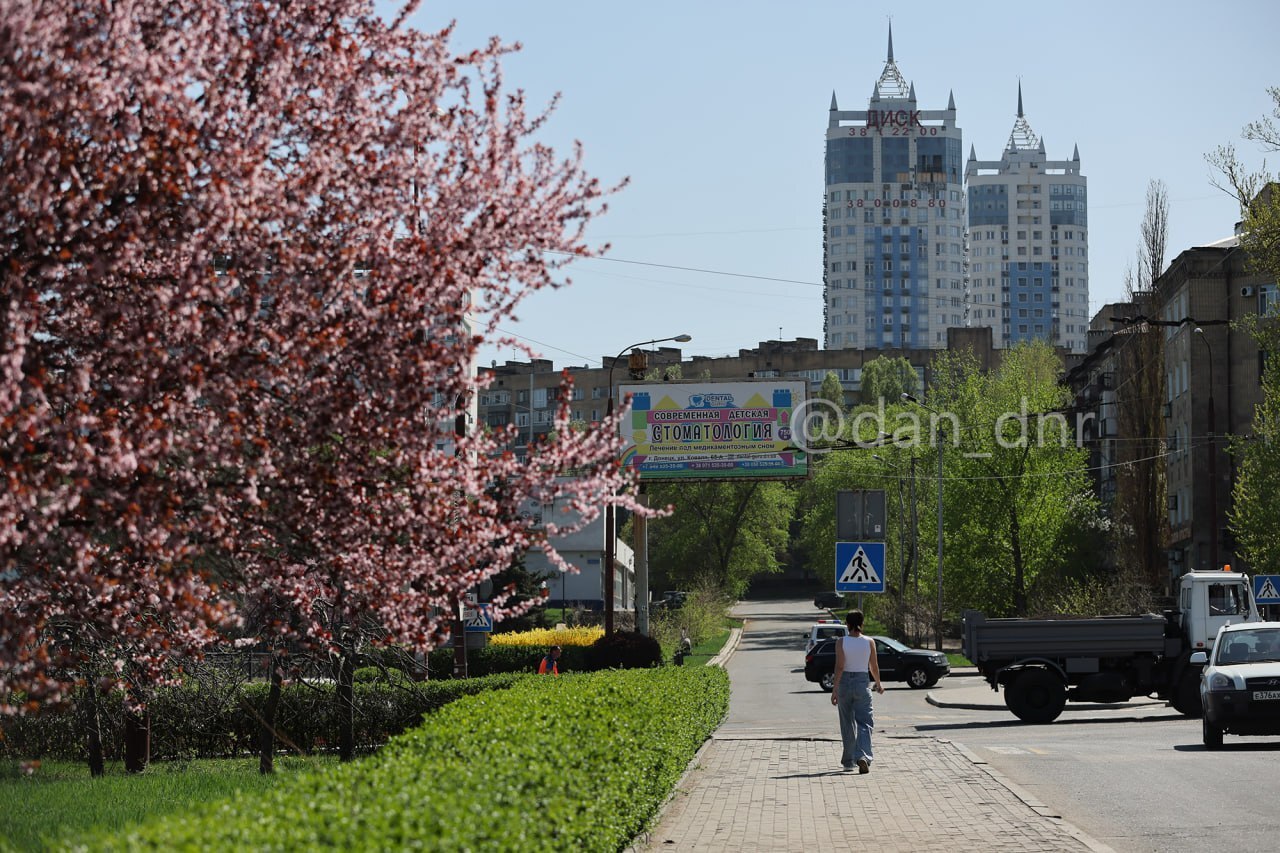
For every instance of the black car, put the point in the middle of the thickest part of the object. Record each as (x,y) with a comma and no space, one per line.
(828,600)
(918,667)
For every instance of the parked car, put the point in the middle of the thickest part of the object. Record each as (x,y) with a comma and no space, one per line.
(672,599)
(917,667)
(823,629)
(1240,686)
(828,600)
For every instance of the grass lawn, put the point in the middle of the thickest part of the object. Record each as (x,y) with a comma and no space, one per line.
(710,647)
(60,800)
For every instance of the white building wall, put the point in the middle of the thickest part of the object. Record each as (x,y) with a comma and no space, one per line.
(1029,249)
(894,248)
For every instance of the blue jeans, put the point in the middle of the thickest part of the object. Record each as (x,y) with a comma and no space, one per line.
(856,717)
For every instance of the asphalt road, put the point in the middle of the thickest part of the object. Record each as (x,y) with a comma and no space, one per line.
(1136,778)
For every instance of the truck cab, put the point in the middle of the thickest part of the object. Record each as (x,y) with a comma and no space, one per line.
(1209,600)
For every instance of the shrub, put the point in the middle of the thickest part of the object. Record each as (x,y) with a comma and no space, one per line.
(625,650)
(491,660)
(544,638)
(189,723)
(581,762)
(377,674)
(703,614)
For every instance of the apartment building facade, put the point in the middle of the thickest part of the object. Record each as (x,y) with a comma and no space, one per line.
(893,219)
(1028,230)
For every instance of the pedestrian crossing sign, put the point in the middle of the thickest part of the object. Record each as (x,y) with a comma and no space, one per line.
(859,567)
(477,618)
(1266,589)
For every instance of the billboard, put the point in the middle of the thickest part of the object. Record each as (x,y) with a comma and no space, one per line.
(701,430)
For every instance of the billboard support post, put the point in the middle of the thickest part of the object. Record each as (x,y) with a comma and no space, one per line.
(610,514)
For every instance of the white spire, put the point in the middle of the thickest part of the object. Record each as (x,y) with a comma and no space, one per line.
(1022,138)
(891,84)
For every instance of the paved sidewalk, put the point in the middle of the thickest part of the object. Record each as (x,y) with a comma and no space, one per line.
(762,791)
(923,794)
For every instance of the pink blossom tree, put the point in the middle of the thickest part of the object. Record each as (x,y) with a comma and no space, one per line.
(248,252)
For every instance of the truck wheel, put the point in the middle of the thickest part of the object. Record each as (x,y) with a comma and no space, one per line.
(918,677)
(1036,696)
(1212,734)
(828,681)
(1186,696)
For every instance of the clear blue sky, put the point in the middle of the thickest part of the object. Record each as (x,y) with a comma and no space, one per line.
(717,113)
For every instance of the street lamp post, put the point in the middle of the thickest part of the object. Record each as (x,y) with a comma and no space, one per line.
(610,538)
(1213,462)
(937,629)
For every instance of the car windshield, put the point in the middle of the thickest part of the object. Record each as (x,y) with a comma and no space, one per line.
(1248,646)
(893,644)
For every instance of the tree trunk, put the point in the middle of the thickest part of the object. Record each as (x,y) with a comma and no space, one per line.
(1019,575)
(92,721)
(137,739)
(346,705)
(267,731)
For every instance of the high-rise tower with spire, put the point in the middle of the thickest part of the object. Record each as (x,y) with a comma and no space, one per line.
(894,274)
(1028,243)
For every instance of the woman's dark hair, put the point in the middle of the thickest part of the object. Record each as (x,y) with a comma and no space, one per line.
(854,620)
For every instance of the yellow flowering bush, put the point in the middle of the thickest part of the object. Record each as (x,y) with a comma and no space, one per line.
(548,637)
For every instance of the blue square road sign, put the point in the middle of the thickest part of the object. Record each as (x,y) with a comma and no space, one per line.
(1266,589)
(859,567)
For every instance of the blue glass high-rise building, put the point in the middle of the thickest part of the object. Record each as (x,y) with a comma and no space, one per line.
(1028,243)
(894,245)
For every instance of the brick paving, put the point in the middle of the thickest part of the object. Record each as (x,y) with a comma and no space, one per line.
(762,791)
(922,794)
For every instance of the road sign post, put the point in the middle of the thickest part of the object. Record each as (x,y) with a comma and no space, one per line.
(478,619)
(860,567)
(860,531)
(1266,589)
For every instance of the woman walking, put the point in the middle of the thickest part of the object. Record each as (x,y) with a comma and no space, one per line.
(856,671)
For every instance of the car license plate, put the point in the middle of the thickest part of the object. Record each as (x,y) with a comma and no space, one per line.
(1261,695)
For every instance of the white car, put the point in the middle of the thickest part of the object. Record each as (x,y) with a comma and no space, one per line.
(823,629)
(1240,685)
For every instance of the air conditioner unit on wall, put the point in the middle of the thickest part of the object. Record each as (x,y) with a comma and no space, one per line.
(1247,291)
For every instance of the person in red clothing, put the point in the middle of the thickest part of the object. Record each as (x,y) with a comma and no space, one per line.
(548,665)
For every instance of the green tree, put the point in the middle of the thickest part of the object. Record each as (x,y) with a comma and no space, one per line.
(1254,515)
(1255,506)
(1020,514)
(832,390)
(887,379)
(720,532)
(1256,191)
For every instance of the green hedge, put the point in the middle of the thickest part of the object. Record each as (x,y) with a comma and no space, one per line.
(494,659)
(189,722)
(581,762)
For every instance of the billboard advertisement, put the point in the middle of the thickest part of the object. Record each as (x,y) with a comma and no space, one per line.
(702,430)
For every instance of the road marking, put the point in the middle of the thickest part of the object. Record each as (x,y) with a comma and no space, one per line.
(1019,750)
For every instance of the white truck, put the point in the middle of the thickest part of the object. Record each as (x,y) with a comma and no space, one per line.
(1043,663)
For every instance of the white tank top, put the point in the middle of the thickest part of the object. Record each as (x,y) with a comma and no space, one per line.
(857,653)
